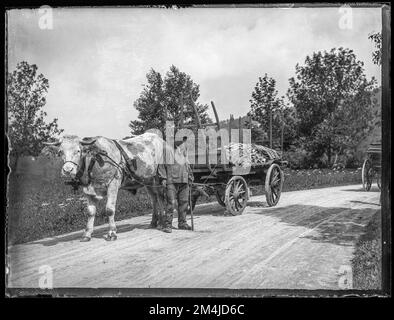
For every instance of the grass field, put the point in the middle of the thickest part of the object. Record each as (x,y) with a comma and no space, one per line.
(39,206)
(367,261)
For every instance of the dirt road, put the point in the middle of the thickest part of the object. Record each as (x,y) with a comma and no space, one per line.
(305,242)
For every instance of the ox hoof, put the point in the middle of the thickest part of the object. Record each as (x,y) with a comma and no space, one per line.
(85,239)
(153,225)
(110,237)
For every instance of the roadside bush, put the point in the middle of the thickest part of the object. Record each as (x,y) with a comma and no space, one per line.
(367,261)
(39,208)
(297,158)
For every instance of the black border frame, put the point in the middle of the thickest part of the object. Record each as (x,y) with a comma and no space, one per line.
(250,293)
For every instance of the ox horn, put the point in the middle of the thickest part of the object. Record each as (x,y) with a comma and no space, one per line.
(55,143)
(87,141)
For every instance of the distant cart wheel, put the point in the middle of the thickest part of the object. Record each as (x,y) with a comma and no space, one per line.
(236,195)
(220,196)
(273,184)
(378,181)
(366,175)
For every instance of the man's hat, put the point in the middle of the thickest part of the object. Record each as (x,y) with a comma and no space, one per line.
(178,143)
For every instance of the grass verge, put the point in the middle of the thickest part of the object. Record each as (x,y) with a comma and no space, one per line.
(367,261)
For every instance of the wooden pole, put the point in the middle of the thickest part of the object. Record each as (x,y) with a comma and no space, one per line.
(240,129)
(216,115)
(283,128)
(270,128)
(191,207)
(165,121)
(229,127)
(198,122)
(182,115)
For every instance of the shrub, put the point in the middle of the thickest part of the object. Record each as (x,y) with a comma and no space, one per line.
(367,261)
(297,158)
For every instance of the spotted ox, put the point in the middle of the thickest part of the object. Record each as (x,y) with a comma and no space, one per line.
(99,165)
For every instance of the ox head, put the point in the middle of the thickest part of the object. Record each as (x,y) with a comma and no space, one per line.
(72,149)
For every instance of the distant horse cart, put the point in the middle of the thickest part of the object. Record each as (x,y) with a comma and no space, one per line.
(245,165)
(372,166)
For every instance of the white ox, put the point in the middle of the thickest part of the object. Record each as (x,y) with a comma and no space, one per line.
(99,166)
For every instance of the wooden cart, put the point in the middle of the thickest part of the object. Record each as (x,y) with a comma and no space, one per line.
(230,186)
(372,166)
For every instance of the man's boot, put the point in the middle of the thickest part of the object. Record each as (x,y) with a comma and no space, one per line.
(167,229)
(184,226)
(167,225)
(183,207)
(154,223)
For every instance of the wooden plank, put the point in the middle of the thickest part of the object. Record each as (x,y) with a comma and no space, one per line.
(230,126)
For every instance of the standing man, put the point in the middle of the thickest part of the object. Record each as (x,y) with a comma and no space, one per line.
(177,179)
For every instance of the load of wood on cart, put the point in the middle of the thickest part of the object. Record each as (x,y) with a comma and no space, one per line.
(245,164)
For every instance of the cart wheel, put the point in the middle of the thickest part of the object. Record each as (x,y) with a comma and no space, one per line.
(236,195)
(378,181)
(220,196)
(273,184)
(366,175)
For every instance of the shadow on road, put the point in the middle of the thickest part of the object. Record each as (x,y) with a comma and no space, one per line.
(368,203)
(361,189)
(216,209)
(341,226)
(96,234)
(336,225)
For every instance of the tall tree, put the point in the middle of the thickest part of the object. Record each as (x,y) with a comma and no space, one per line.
(267,110)
(333,100)
(169,94)
(376,37)
(27,127)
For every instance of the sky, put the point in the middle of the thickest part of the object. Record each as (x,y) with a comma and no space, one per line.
(96,59)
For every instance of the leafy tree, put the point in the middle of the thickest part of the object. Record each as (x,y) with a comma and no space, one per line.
(333,98)
(27,128)
(377,54)
(265,103)
(160,95)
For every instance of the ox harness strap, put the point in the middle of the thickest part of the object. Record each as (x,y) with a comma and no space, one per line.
(77,181)
(129,162)
(130,166)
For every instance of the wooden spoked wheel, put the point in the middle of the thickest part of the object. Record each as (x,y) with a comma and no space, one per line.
(273,184)
(220,196)
(366,174)
(236,195)
(379,181)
